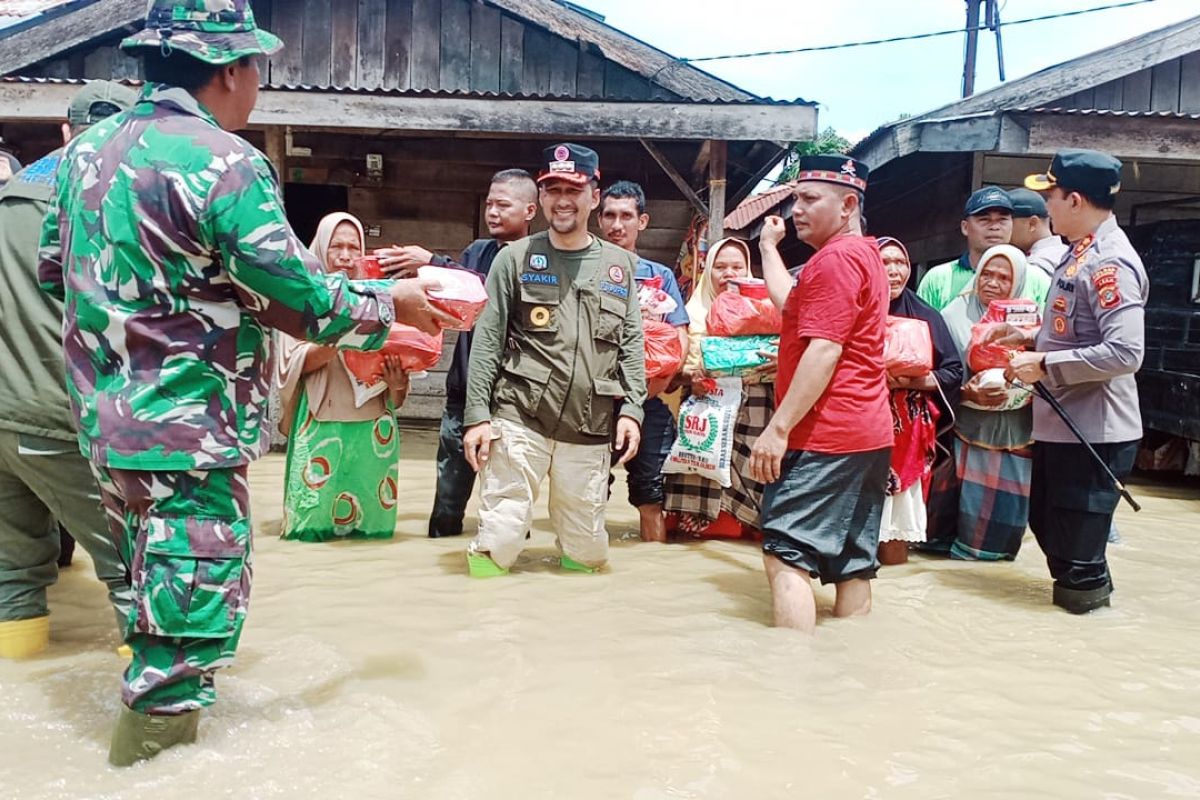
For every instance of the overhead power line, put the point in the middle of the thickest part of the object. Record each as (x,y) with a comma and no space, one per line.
(912,37)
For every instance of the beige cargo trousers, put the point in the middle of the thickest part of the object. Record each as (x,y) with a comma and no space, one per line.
(509,483)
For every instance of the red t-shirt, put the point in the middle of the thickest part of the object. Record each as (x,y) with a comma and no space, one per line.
(841,295)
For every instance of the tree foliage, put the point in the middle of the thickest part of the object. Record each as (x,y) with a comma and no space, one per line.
(829,141)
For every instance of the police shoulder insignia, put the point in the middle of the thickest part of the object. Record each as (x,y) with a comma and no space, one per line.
(538,262)
(1082,245)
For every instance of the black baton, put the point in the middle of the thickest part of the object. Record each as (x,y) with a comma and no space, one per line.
(1044,393)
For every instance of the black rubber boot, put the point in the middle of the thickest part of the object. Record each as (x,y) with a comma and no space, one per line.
(1081,601)
(138,737)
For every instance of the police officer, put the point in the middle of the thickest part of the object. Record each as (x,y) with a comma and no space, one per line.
(172,266)
(1086,353)
(43,477)
(1031,231)
(559,342)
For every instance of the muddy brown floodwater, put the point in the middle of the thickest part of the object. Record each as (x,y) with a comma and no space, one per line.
(379,670)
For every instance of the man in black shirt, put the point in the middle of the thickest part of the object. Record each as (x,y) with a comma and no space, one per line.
(510,207)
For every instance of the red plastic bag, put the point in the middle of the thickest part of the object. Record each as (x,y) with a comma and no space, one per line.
(664,351)
(736,314)
(418,352)
(462,294)
(1019,313)
(907,348)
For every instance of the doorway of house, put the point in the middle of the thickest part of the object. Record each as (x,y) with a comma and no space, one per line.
(306,203)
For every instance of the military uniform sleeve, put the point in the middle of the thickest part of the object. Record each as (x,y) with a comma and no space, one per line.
(487,341)
(631,359)
(279,281)
(1117,296)
(50,255)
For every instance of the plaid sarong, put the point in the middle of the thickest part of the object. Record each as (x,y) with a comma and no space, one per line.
(692,494)
(993,505)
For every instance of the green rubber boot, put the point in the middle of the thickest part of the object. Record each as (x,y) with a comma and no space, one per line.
(480,565)
(571,565)
(138,737)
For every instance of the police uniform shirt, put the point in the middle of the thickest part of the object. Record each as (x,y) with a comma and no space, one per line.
(1093,334)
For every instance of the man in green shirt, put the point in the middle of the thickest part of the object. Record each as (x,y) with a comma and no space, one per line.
(559,343)
(166,239)
(43,478)
(987,221)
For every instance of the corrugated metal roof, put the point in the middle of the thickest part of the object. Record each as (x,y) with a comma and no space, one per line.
(757,205)
(1105,112)
(446,93)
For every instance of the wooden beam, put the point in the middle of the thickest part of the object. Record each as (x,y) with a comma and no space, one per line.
(684,188)
(718,158)
(1147,137)
(44,41)
(276,150)
(596,119)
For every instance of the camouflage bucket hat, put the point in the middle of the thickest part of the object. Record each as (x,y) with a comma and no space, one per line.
(214,31)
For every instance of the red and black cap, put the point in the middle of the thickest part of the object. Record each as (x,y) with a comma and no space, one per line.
(569,162)
(839,169)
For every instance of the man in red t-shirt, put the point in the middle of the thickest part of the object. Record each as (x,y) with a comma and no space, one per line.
(825,453)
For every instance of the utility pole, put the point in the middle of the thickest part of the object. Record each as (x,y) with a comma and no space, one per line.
(968,81)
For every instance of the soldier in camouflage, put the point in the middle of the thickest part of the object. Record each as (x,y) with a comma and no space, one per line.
(42,475)
(168,243)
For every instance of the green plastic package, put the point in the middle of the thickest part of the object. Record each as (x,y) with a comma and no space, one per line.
(734,355)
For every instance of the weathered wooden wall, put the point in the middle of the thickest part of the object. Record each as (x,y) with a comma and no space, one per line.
(448,45)
(1173,85)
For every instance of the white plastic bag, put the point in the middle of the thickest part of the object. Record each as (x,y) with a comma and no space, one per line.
(704,442)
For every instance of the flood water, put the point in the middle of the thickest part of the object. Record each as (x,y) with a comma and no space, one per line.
(379,670)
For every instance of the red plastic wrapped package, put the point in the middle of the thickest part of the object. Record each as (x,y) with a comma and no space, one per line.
(907,348)
(664,351)
(418,352)
(461,294)
(1022,314)
(366,268)
(737,314)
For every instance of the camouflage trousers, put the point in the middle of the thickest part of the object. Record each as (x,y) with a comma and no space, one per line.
(186,539)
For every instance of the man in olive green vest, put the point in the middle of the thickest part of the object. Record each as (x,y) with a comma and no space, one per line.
(43,477)
(560,341)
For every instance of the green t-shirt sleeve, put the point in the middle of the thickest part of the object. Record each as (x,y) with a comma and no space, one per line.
(930,288)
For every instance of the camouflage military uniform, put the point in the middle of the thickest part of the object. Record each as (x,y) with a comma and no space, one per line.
(168,243)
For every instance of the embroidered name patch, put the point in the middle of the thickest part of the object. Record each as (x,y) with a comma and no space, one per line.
(614,289)
(544,278)
(1066,287)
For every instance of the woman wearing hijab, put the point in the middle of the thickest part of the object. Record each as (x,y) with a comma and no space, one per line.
(342,458)
(920,408)
(704,507)
(994,426)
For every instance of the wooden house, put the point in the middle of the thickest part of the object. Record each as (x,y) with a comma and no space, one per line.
(400,111)
(1140,101)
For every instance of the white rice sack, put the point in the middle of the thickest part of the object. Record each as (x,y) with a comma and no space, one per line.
(704,442)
